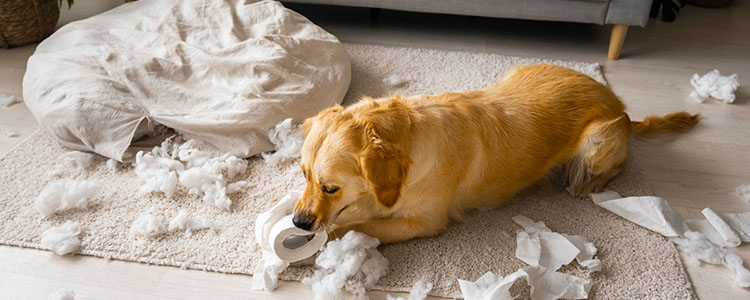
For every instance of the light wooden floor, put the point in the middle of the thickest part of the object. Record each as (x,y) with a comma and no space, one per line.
(695,170)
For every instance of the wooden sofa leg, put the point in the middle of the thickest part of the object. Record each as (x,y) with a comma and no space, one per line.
(616,40)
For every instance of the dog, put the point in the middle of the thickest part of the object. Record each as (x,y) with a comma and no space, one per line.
(399,168)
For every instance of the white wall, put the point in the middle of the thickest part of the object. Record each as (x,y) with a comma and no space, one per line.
(82,9)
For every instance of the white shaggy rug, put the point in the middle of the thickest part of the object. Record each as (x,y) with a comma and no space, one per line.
(637,264)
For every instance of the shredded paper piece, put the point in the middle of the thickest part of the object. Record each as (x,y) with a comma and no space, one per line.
(184,222)
(395,80)
(148,224)
(657,215)
(352,264)
(418,291)
(66,194)
(546,284)
(62,239)
(744,191)
(537,245)
(288,140)
(9,99)
(9,133)
(199,171)
(714,85)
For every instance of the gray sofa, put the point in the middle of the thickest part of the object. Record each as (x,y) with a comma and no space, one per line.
(619,13)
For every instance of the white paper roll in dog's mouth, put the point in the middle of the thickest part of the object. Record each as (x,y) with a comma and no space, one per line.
(292,244)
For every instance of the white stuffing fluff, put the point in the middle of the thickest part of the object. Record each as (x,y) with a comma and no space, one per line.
(8,99)
(112,164)
(395,80)
(199,171)
(147,224)
(9,133)
(62,239)
(65,194)
(288,140)
(62,294)
(351,263)
(744,191)
(418,291)
(699,247)
(78,159)
(183,221)
(714,85)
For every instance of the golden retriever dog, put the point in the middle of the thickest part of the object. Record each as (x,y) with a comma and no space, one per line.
(399,168)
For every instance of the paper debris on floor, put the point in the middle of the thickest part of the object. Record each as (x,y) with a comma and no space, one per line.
(537,245)
(651,212)
(744,191)
(546,284)
(395,80)
(64,194)
(347,267)
(288,139)
(201,172)
(273,232)
(419,291)
(9,99)
(62,239)
(699,247)
(148,224)
(712,84)
(184,222)
(62,294)
(657,215)
(9,133)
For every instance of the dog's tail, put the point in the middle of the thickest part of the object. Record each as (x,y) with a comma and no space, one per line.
(674,122)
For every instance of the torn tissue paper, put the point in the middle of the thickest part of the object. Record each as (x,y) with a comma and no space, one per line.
(352,264)
(656,214)
(744,191)
(418,292)
(9,133)
(62,294)
(545,284)
(200,172)
(395,80)
(8,99)
(66,194)
(184,222)
(537,245)
(698,246)
(148,224)
(288,140)
(651,212)
(714,85)
(281,242)
(62,239)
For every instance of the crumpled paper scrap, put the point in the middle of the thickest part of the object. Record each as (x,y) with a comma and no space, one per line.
(657,215)
(537,245)
(712,84)
(546,284)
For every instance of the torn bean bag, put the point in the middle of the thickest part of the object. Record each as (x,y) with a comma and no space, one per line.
(220,72)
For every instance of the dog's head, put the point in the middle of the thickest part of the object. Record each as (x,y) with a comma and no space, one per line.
(354,161)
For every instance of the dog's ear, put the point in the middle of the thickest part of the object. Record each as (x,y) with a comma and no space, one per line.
(383,160)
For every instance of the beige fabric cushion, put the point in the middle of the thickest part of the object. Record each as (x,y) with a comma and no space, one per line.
(222,72)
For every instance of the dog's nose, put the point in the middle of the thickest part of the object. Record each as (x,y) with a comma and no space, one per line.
(303,222)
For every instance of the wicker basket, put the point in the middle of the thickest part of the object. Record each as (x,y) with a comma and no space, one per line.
(26,21)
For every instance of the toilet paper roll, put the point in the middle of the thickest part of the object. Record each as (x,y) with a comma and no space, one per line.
(291,244)
(726,232)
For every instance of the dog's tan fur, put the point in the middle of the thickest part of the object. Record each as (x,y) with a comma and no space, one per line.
(406,166)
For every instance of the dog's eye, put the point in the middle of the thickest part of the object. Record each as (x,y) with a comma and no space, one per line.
(330,190)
